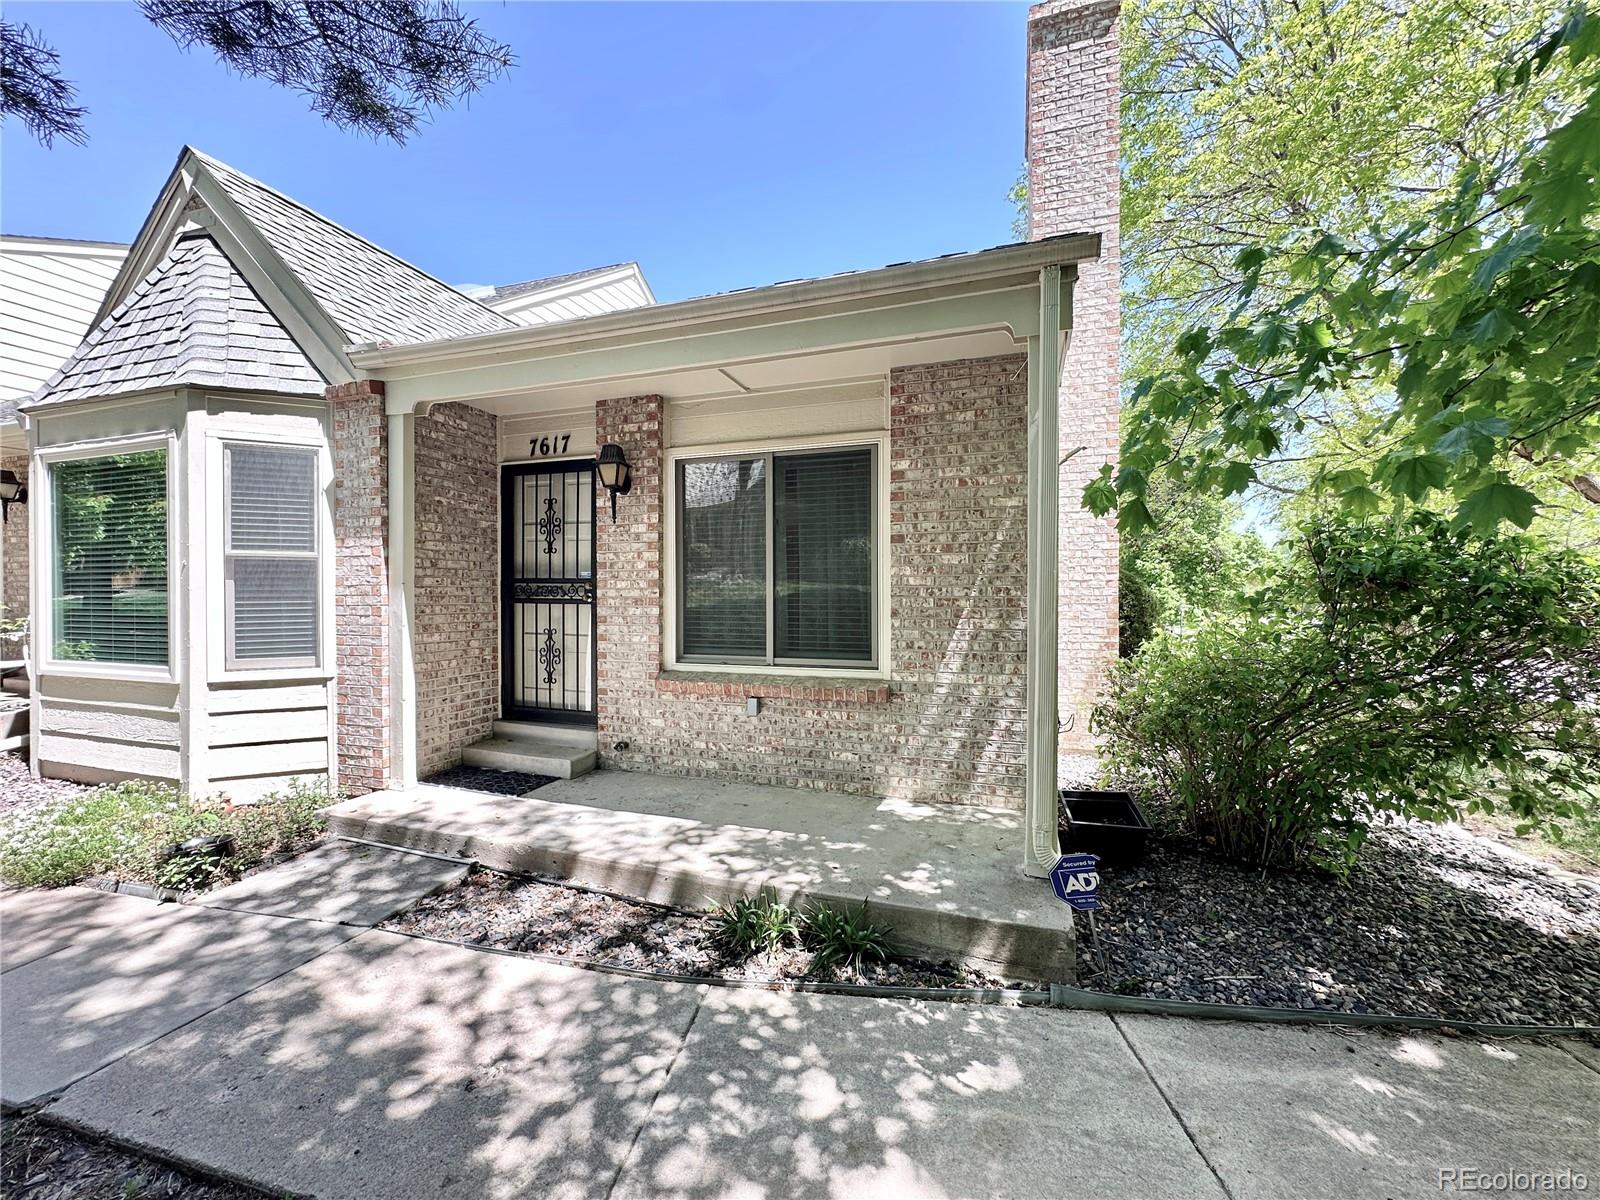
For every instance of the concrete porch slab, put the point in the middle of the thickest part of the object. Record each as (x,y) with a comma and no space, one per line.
(947,878)
(343,882)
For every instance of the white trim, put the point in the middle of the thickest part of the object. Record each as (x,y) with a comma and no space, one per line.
(402,458)
(1041,835)
(1000,269)
(219,436)
(44,459)
(883,643)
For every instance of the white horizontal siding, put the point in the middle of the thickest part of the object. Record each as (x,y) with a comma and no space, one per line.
(48,295)
(259,739)
(278,758)
(93,759)
(120,723)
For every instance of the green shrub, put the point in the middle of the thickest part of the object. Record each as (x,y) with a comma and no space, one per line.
(845,938)
(754,925)
(125,830)
(1138,613)
(1409,669)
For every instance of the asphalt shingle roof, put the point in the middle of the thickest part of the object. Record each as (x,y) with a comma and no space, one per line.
(369,293)
(192,322)
(506,290)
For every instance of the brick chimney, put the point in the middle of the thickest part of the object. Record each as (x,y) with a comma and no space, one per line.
(1074,91)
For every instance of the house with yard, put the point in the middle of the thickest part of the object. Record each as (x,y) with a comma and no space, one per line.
(298,510)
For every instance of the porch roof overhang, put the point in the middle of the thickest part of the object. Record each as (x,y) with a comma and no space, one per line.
(781,336)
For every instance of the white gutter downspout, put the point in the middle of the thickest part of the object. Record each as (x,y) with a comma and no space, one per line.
(1042,845)
(402,665)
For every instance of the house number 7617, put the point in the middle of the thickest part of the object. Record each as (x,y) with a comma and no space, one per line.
(555,443)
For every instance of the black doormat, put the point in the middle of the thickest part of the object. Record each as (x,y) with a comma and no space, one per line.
(482,779)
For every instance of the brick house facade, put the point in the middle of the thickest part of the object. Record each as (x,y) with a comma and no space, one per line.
(425,403)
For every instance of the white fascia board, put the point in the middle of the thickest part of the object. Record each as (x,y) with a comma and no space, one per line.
(616,360)
(995,269)
(16,243)
(152,240)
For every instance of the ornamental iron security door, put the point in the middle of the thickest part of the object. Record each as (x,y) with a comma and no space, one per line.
(547,592)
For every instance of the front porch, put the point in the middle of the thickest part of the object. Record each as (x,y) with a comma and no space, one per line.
(946,878)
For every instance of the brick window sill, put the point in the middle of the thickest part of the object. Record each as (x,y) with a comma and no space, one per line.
(739,685)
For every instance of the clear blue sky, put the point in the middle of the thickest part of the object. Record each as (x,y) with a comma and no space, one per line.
(720,145)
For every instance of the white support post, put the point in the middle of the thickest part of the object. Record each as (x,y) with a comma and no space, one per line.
(402,664)
(1042,844)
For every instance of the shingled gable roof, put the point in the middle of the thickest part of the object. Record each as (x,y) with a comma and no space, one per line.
(192,322)
(371,295)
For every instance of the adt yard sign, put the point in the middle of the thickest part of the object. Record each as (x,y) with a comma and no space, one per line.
(1075,879)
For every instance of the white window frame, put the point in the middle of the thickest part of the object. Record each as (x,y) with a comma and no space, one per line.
(223,666)
(672,659)
(43,534)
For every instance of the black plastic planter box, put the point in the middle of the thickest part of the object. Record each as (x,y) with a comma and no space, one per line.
(1108,824)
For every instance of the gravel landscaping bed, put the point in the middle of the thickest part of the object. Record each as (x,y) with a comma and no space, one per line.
(511,912)
(19,790)
(1433,920)
(39,1161)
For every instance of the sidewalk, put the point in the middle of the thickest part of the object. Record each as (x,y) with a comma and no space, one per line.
(380,1066)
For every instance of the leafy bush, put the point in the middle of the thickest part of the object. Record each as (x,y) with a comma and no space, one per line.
(845,938)
(754,925)
(126,830)
(1406,669)
(1138,613)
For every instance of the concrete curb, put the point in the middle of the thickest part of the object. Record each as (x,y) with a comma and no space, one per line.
(1057,995)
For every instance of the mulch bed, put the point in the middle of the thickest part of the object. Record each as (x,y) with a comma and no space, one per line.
(513,912)
(39,1161)
(19,790)
(1433,920)
(484,779)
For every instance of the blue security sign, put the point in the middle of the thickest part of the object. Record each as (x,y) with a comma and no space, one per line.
(1075,879)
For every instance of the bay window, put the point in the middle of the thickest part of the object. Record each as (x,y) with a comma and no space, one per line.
(776,558)
(109,585)
(270,555)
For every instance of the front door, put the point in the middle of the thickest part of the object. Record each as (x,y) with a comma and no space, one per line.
(547,594)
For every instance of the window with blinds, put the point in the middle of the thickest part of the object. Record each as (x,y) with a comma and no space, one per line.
(110,587)
(270,567)
(776,558)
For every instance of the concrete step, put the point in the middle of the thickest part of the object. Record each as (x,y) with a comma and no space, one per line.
(582,736)
(943,877)
(537,756)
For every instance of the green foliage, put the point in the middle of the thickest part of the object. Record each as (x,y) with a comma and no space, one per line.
(844,937)
(754,925)
(1190,560)
(1452,298)
(124,831)
(1411,668)
(1138,613)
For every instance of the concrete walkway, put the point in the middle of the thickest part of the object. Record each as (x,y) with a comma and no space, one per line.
(379,1066)
(947,878)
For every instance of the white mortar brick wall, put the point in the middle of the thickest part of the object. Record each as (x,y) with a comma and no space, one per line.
(361,584)
(14,546)
(949,725)
(455,630)
(1073,187)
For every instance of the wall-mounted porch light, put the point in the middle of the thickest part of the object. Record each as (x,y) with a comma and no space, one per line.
(12,492)
(615,473)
